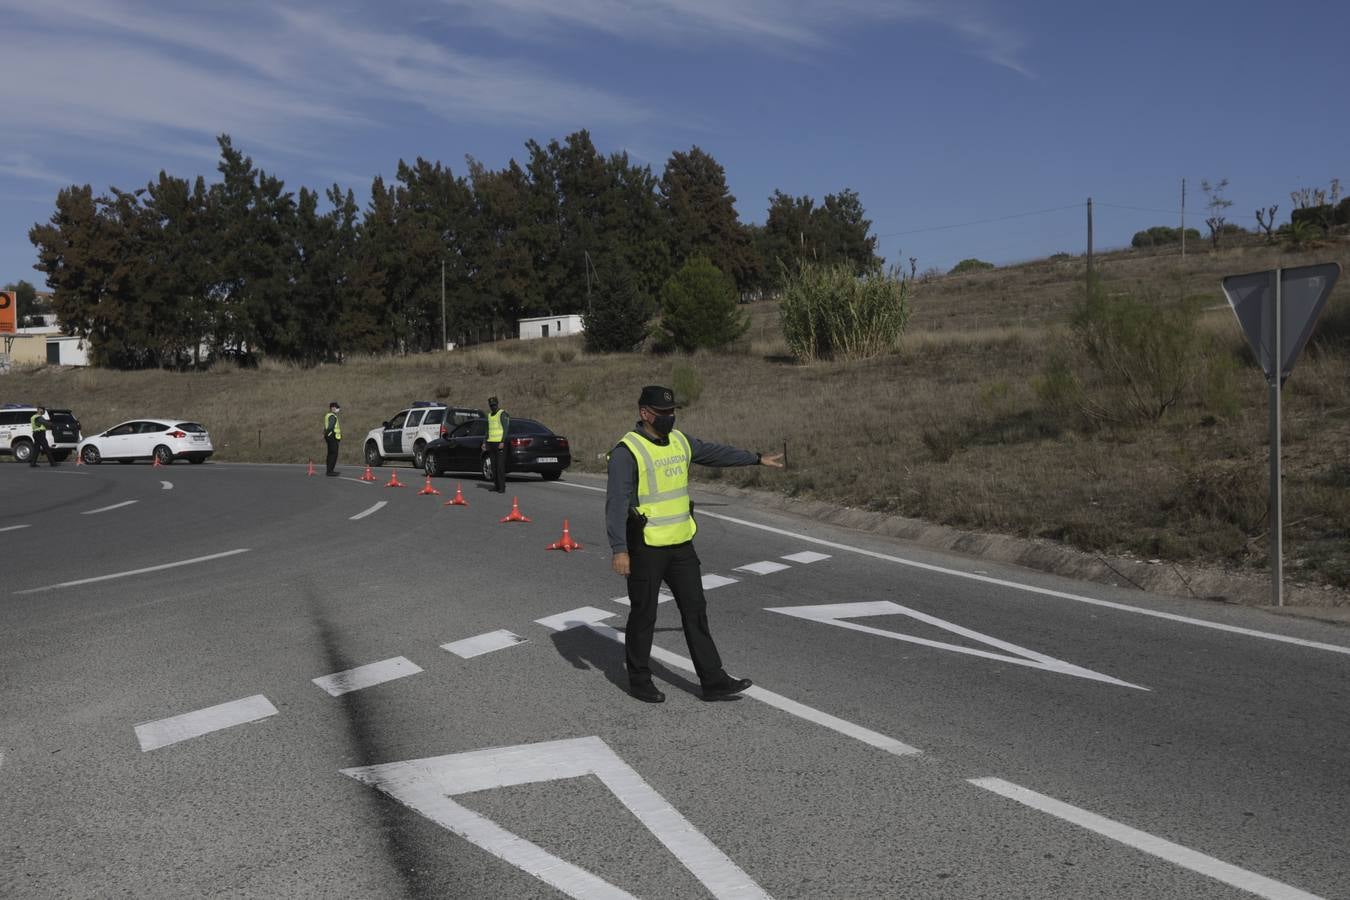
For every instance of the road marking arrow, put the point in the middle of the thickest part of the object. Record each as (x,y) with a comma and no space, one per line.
(426,785)
(839,614)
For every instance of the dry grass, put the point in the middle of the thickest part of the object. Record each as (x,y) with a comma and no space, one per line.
(948,429)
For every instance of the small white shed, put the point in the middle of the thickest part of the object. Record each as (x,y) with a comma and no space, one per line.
(550,326)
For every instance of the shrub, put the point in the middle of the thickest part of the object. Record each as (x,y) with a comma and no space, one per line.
(970,265)
(699,308)
(687,384)
(1219,389)
(1162,235)
(829,312)
(1148,349)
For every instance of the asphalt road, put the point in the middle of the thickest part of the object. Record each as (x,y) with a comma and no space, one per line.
(218,680)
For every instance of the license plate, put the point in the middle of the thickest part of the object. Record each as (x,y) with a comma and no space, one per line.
(199,437)
(544,459)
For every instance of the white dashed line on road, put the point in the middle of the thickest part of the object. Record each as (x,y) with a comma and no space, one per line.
(807,556)
(767,567)
(663,597)
(367,676)
(716,581)
(1139,840)
(163,732)
(376,508)
(483,643)
(103,509)
(14,527)
(172,565)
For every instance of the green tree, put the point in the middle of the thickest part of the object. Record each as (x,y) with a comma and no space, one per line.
(701,217)
(699,308)
(970,265)
(616,321)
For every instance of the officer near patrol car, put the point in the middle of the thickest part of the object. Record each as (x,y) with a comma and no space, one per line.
(39,423)
(651,527)
(332,435)
(498,424)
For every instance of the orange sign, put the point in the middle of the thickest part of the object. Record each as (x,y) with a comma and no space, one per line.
(9,312)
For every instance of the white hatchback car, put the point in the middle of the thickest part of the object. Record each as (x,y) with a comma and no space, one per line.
(158,439)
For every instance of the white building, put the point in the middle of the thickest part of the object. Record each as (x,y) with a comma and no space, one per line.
(550,326)
(46,343)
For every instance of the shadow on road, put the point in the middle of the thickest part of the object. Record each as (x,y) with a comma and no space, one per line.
(585,649)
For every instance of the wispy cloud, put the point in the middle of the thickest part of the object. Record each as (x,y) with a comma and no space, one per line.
(785,25)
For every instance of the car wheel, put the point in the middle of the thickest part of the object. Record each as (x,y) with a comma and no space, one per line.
(429,465)
(91,456)
(489,468)
(552,476)
(23,451)
(164,455)
(373,457)
(419,452)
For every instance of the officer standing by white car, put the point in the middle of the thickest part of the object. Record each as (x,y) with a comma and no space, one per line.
(40,423)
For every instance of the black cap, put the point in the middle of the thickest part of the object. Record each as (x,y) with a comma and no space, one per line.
(657,397)
(492,399)
(335,403)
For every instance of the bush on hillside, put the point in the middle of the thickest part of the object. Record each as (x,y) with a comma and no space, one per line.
(699,309)
(970,265)
(1161,236)
(828,312)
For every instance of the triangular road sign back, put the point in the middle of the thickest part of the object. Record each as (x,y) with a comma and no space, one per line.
(1303,293)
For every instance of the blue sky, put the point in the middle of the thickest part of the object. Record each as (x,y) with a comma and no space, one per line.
(937,113)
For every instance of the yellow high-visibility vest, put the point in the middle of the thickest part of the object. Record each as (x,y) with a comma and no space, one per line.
(494,434)
(663,488)
(37,423)
(336,423)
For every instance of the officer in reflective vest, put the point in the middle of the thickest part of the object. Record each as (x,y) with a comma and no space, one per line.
(651,529)
(498,424)
(332,435)
(39,425)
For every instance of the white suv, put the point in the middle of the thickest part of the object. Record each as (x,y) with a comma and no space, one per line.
(406,435)
(16,431)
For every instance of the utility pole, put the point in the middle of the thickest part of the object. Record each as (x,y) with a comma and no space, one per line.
(1183,218)
(1089,248)
(443,336)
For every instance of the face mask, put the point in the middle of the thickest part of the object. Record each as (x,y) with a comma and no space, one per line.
(662,425)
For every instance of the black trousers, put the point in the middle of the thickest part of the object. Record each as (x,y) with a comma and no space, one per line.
(332,450)
(679,567)
(498,452)
(40,446)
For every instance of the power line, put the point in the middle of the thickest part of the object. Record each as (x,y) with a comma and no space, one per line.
(1039,212)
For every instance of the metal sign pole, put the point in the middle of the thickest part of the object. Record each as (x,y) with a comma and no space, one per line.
(1276,523)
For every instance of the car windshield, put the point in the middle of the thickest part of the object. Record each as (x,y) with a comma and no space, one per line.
(190,428)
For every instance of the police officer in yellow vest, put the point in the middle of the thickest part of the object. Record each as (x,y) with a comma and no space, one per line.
(498,425)
(39,425)
(332,435)
(651,531)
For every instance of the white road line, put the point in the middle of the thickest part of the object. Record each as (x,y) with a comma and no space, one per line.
(767,567)
(369,675)
(92,512)
(172,565)
(806,556)
(14,527)
(376,508)
(483,643)
(663,596)
(166,485)
(163,732)
(592,618)
(1139,840)
(716,581)
(1047,592)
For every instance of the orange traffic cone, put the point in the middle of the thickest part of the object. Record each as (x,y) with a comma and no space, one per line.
(458,499)
(428,489)
(156,464)
(393,480)
(79,458)
(310,472)
(566,544)
(514,515)
(369,476)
